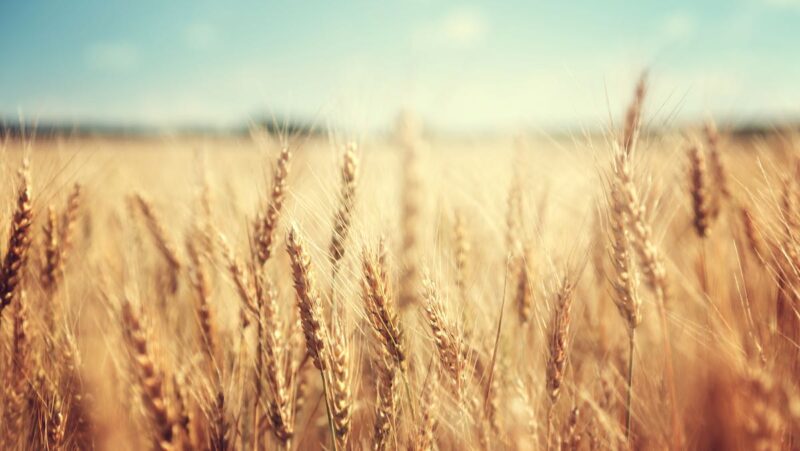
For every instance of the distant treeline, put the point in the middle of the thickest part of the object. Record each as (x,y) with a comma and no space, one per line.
(16,129)
(41,129)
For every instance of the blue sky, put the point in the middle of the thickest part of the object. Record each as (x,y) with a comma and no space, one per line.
(466,66)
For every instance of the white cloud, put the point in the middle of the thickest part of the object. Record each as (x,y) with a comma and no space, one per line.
(200,36)
(461,27)
(114,56)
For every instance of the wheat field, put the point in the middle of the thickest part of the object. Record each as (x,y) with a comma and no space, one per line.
(635,289)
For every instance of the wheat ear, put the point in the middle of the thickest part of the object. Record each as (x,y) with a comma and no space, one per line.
(267,225)
(19,241)
(558,347)
(344,214)
(149,377)
(308,303)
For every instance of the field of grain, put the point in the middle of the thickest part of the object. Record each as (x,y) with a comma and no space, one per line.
(633,289)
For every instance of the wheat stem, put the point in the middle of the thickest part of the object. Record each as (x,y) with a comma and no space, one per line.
(630,386)
(328,409)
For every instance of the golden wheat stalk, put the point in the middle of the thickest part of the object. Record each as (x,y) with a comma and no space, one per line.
(203,310)
(380,308)
(341,393)
(344,214)
(268,224)
(524,286)
(625,286)
(161,238)
(386,406)
(558,347)
(698,178)
(19,241)
(149,377)
(409,217)
(425,436)
(309,306)
(220,427)
(243,284)
(719,170)
(183,416)
(308,299)
(633,214)
(626,280)
(51,271)
(20,344)
(279,407)
(68,220)
(753,234)
(448,343)
(633,117)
